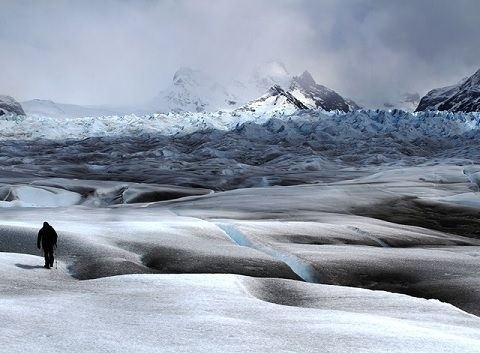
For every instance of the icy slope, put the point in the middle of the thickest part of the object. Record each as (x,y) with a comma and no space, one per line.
(464,96)
(216,313)
(213,272)
(58,192)
(274,101)
(313,95)
(40,107)
(10,105)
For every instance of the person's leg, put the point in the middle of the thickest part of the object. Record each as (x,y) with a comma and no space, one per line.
(47,260)
(52,259)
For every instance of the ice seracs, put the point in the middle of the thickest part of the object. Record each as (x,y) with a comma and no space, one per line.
(463,96)
(10,105)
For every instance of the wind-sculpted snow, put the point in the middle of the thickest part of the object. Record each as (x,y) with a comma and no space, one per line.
(217,313)
(202,272)
(64,192)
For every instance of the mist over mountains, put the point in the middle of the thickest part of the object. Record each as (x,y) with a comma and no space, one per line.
(270,87)
(192,90)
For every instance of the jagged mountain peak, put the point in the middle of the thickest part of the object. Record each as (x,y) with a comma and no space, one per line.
(275,100)
(463,96)
(472,81)
(302,93)
(276,89)
(305,79)
(194,90)
(314,95)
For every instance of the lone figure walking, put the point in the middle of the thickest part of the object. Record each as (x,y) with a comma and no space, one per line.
(48,238)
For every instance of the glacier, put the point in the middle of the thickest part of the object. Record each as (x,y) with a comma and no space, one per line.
(407,124)
(242,231)
(233,149)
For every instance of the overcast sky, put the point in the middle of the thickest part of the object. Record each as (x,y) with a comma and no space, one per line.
(126,51)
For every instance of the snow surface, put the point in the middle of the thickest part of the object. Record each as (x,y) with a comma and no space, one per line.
(219,313)
(334,231)
(221,272)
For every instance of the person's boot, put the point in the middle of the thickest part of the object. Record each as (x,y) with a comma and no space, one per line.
(46,266)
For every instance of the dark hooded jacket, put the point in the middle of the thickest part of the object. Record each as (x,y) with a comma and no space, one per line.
(47,237)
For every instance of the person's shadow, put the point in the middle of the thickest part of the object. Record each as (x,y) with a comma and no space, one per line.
(28,267)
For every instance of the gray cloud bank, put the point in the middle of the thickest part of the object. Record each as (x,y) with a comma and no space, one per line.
(125,51)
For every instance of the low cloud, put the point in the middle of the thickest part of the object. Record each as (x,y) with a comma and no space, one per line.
(125,51)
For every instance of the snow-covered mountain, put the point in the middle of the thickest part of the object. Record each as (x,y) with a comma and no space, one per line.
(10,105)
(303,93)
(270,87)
(194,91)
(314,95)
(60,110)
(275,100)
(463,96)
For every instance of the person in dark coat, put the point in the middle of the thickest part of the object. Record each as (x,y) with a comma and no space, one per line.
(48,238)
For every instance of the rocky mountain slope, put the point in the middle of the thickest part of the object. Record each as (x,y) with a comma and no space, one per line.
(303,93)
(463,96)
(10,105)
